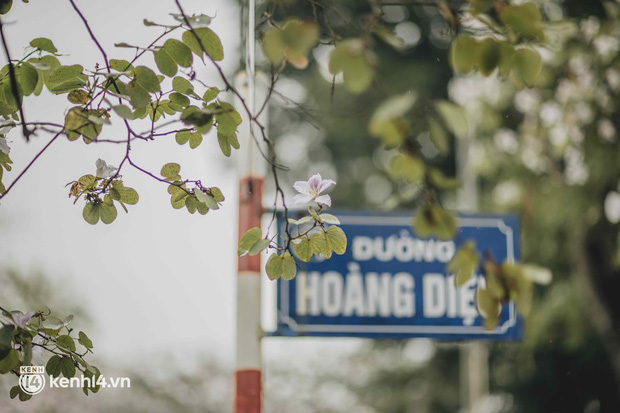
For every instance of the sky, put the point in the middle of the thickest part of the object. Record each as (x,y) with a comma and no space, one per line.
(157,280)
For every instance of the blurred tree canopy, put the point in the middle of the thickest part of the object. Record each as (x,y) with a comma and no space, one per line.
(549,152)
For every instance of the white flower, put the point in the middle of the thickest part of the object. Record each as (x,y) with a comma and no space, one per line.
(4,146)
(37,351)
(20,320)
(309,191)
(104,170)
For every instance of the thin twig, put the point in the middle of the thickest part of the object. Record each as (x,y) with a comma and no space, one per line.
(92,35)
(30,164)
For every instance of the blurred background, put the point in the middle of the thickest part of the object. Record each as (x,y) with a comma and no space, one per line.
(155,289)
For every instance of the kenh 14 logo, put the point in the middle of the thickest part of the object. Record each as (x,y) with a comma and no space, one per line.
(32,379)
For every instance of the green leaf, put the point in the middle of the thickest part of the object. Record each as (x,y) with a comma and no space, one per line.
(121,65)
(53,323)
(313,213)
(464,263)
(488,307)
(454,117)
(28,78)
(434,220)
(69,85)
(204,39)
(525,20)
(78,97)
(210,94)
(183,136)
(129,196)
(91,212)
(6,338)
(224,143)
(66,342)
(387,121)
(147,79)
(210,202)
(79,121)
(303,249)
(15,389)
(191,203)
(199,118)
(439,137)
(123,111)
(439,180)
(140,98)
(247,241)
(107,211)
(165,63)
(65,73)
(281,266)
(182,86)
(200,195)
(195,140)
(84,340)
(179,99)
(527,65)
(10,362)
(43,44)
(463,53)
(318,244)
(202,208)
(289,269)
(115,194)
(506,54)
(217,194)
(23,396)
(178,51)
(170,170)
(67,367)
(406,168)
(292,41)
(329,219)
(350,58)
(5,6)
(302,220)
(489,55)
(336,239)
(178,200)
(259,246)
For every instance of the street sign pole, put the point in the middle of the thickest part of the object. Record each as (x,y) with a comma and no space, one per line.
(474,356)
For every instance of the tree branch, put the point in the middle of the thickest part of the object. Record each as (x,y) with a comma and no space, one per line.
(14,89)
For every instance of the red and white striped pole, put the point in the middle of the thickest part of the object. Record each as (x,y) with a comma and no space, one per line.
(248,377)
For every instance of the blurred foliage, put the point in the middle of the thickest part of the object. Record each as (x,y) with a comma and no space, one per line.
(548,153)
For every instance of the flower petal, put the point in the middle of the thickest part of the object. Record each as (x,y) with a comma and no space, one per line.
(324,200)
(314,182)
(326,183)
(301,199)
(104,170)
(4,146)
(301,187)
(20,320)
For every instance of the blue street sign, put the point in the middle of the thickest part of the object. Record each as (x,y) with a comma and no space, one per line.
(392,284)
